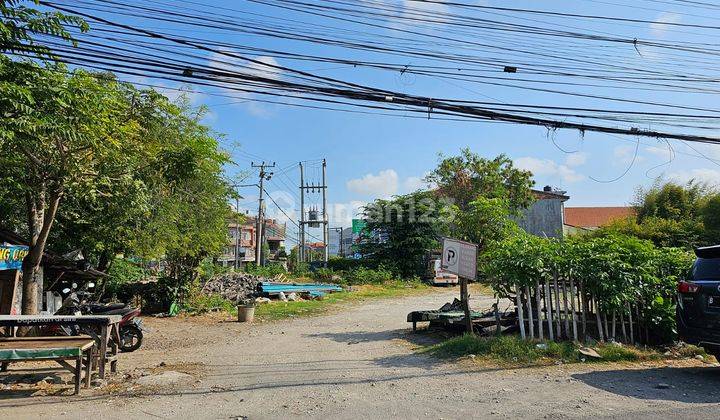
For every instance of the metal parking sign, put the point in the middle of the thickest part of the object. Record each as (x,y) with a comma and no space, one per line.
(460,257)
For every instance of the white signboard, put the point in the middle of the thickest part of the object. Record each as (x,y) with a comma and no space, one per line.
(460,258)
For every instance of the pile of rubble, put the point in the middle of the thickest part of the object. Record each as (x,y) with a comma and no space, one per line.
(235,287)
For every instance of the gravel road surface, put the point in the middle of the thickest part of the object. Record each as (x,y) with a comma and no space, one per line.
(359,362)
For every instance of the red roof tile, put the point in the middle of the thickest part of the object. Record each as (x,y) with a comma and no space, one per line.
(593,217)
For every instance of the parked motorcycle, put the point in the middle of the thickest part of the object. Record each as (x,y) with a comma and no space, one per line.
(131,328)
(76,303)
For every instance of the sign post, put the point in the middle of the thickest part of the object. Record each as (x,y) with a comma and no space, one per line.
(460,258)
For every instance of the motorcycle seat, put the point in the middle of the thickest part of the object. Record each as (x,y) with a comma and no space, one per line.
(119,311)
(97,308)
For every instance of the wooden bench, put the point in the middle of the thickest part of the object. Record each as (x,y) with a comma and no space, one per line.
(58,349)
(107,325)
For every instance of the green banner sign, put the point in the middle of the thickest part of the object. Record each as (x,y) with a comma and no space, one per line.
(358,225)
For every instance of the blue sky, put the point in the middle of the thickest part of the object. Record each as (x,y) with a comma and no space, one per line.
(372,156)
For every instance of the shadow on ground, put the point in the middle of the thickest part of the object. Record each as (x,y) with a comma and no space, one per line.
(422,337)
(689,385)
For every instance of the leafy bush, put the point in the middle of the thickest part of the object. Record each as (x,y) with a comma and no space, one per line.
(208,269)
(506,348)
(199,303)
(616,270)
(363,275)
(301,270)
(323,275)
(270,270)
(122,271)
(345,264)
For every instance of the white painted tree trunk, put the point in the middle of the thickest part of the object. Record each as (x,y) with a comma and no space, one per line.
(519,306)
(572,309)
(538,303)
(531,324)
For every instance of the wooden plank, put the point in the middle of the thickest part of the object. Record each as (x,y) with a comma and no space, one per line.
(103,351)
(46,343)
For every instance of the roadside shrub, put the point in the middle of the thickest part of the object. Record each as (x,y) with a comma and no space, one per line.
(122,271)
(507,348)
(269,271)
(363,275)
(198,303)
(323,275)
(618,272)
(346,264)
(208,269)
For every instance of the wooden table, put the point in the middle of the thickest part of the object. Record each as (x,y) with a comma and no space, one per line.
(107,325)
(59,349)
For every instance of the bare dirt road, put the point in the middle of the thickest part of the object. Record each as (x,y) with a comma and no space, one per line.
(359,363)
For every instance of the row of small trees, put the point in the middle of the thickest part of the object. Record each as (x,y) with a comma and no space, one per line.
(612,287)
(89,162)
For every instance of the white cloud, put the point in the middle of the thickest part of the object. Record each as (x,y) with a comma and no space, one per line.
(414,183)
(263,66)
(626,154)
(662,152)
(710,176)
(711,151)
(384,184)
(547,167)
(341,214)
(658,28)
(576,159)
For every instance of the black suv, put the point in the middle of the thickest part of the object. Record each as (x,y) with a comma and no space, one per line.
(698,309)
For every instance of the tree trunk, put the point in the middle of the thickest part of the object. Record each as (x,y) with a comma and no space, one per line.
(572,308)
(598,318)
(630,319)
(565,308)
(558,330)
(519,306)
(549,310)
(538,302)
(41,215)
(583,303)
(605,323)
(613,324)
(622,324)
(531,323)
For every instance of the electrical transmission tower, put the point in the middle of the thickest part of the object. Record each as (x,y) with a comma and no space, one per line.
(312,220)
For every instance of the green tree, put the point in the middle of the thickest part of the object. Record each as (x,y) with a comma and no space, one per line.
(485,222)
(468,176)
(711,219)
(148,212)
(401,231)
(670,215)
(64,131)
(20,25)
(671,201)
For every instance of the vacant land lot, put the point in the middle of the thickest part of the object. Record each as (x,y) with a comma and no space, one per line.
(362,362)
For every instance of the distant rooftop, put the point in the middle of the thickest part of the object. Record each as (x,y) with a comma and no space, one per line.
(595,217)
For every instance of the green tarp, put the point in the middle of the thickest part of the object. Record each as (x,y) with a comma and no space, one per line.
(47,353)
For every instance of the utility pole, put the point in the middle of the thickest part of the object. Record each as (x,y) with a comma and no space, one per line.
(259,222)
(302,214)
(237,231)
(340,231)
(326,225)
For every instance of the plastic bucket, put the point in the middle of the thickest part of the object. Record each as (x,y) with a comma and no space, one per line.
(246,313)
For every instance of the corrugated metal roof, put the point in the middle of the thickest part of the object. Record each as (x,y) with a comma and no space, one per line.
(594,217)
